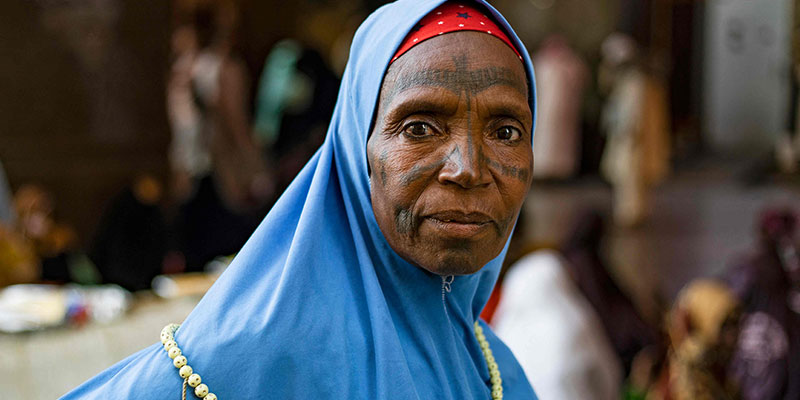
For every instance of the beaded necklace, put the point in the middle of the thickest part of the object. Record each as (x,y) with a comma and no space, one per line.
(201,389)
(494,370)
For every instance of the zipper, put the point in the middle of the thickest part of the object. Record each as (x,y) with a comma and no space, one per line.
(447,282)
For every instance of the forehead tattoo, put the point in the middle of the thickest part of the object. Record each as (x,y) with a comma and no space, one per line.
(461,80)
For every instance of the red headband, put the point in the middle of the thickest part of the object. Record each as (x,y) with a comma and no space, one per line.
(452,17)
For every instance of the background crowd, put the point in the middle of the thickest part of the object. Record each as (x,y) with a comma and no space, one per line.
(657,253)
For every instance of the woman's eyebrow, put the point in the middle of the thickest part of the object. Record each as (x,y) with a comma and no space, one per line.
(416,104)
(510,108)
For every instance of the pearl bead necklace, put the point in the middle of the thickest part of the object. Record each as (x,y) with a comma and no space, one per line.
(494,370)
(182,364)
(201,390)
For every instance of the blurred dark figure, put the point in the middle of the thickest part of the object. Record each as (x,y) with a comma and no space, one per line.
(52,241)
(223,182)
(296,96)
(766,363)
(18,261)
(626,329)
(7,214)
(561,75)
(131,240)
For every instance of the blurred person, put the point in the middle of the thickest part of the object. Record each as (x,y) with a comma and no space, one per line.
(188,154)
(295,100)
(228,184)
(703,329)
(219,86)
(18,260)
(52,241)
(635,119)
(562,75)
(766,363)
(130,243)
(367,277)
(580,255)
(554,332)
(628,332)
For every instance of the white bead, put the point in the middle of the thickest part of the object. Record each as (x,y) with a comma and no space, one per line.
(179,361)
(185,371)
(494,373)
(201,390)
(194,380)
(174,352)
(496,380)
(165,336)
(169,344)
(497,394)
(210,396)
(493,367)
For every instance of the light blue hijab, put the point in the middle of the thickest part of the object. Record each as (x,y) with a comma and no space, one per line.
(317,305)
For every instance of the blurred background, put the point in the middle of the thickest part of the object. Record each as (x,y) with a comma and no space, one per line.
(141,142)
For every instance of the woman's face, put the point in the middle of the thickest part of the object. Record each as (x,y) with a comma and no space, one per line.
(450,155)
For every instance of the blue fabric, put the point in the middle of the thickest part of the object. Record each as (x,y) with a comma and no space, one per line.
(317,305)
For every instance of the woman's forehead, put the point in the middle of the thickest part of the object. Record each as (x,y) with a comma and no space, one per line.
(461,62)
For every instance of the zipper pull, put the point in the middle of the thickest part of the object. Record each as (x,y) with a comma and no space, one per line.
(447,281)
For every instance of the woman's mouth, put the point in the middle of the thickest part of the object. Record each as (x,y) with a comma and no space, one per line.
(458,224)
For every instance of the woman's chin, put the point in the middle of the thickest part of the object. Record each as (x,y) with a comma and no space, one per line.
(453,261)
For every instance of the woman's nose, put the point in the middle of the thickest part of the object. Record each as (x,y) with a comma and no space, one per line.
(464,164)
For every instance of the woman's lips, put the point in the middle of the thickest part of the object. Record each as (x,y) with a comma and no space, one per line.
(458,224)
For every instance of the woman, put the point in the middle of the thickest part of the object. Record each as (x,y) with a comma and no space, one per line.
(348,289)
(556,335)
(765,363)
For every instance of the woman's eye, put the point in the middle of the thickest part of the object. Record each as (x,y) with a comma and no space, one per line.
(418,129)
(509,134)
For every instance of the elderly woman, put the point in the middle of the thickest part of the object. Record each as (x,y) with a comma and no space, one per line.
(366,279)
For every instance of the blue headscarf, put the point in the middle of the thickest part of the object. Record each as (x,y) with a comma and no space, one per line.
(317,305)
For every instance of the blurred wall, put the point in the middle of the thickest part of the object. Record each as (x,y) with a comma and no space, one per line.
(584,23)
(82,98)
(747,73)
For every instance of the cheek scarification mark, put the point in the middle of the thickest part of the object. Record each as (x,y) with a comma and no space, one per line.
(382,161)
(418,171)
(510,171)
(502,226)
(403,220)
(519,173)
